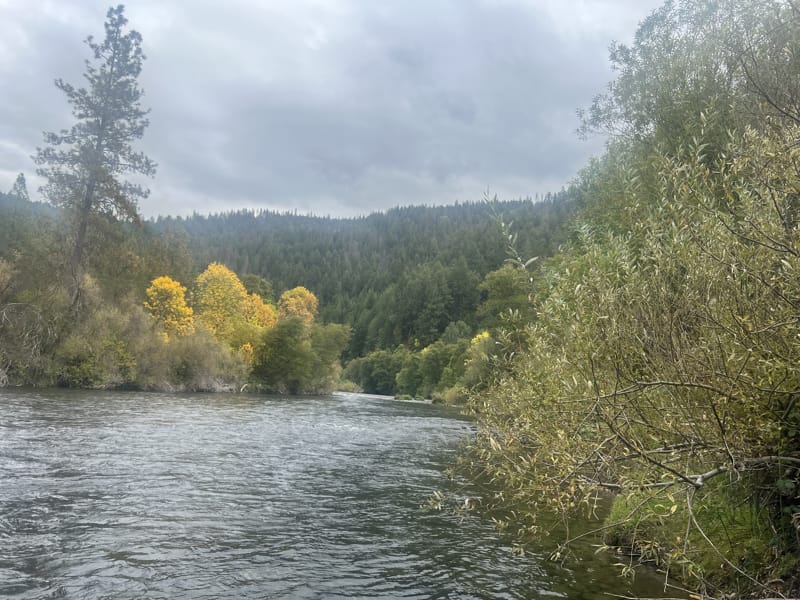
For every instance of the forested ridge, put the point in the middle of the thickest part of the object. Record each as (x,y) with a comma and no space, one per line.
(369,253)
(376,272)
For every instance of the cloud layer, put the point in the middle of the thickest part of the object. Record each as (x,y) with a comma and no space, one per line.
(338,107)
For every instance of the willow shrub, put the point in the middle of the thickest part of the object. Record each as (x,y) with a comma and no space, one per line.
(665,358)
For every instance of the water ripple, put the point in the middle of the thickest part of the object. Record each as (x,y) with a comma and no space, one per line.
(112,495)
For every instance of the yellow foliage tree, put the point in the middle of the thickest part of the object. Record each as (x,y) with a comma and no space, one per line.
(219,297)
(257,312)
(166,302)
(298,302)
(246,352)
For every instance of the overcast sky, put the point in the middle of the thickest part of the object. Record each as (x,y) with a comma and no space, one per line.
(335,107)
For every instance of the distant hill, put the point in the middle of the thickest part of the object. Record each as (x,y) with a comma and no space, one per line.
(366,271)
(18,218)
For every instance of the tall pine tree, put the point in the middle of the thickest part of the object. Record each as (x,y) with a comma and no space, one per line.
(20,189)
(84,165)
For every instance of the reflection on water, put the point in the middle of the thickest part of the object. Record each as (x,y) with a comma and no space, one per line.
(114,495)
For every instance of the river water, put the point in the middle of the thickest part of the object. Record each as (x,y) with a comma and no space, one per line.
(132,495)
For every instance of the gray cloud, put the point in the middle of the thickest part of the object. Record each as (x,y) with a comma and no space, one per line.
(331,106)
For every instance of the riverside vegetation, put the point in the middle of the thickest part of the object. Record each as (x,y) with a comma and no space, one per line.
(648,358)
(661,366)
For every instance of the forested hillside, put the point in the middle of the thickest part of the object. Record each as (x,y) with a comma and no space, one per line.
(413,286)
(398,277)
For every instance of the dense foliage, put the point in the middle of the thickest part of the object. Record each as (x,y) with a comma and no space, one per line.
(662,362)
(416,316)
(89,297)
(396,278)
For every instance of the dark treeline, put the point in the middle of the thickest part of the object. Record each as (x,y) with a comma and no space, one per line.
(399,277)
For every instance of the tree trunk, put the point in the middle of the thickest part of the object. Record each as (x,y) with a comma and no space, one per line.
(80,241)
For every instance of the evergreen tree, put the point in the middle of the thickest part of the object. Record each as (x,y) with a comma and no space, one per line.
(83,165)
(20,189)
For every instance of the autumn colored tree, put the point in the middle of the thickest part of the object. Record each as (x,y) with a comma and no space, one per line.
(257,312)
(298,302)
(219,297)
(166,302)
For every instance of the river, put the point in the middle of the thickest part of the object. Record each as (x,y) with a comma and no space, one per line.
(169,496)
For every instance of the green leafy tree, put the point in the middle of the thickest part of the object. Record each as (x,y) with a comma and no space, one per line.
(507,290)
(255,284)
(83,165)
(377,371)
(409,379)
(455,332)
(284,360)
(679,64)
(440,367)
(478,362)
(327,344)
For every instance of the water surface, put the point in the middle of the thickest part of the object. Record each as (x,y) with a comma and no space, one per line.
(131,495)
